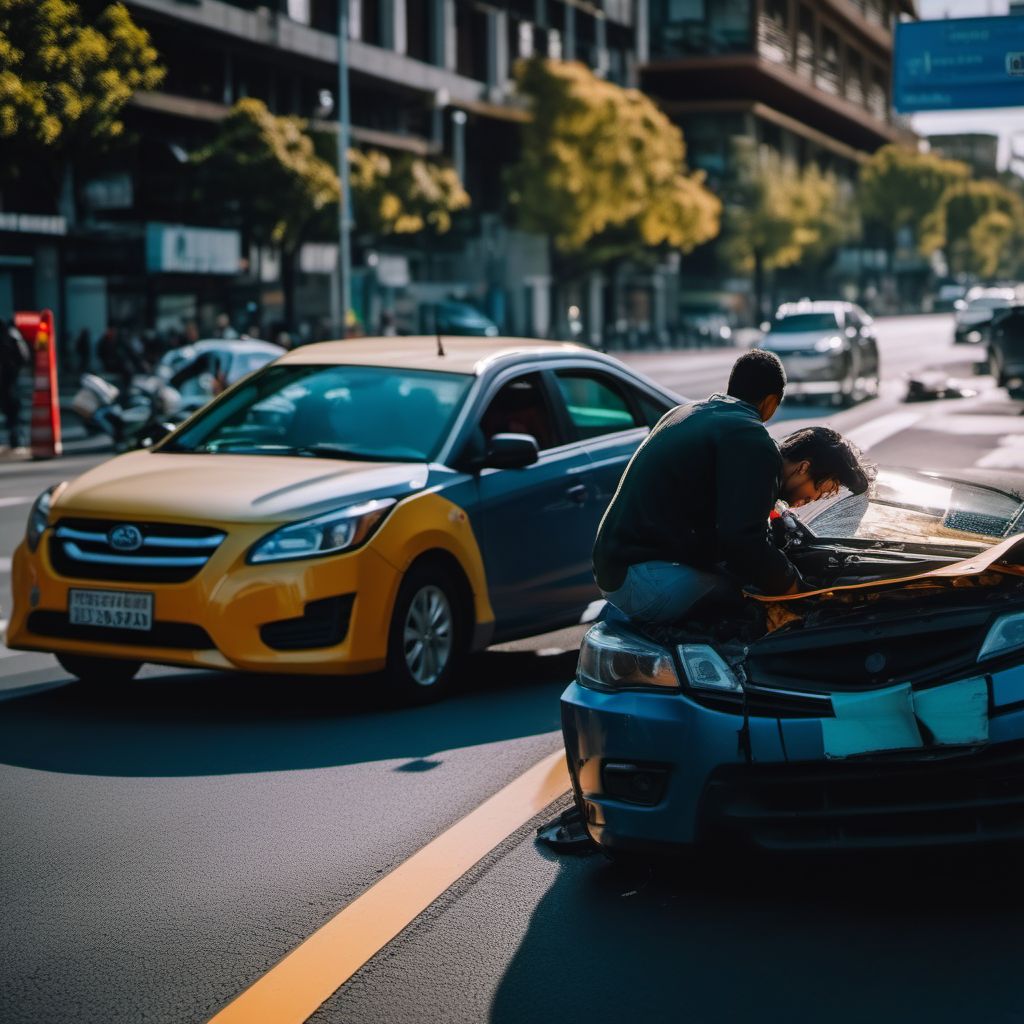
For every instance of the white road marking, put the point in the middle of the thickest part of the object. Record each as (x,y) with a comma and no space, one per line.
(5,565)
(867,435)
(1008,454)
(18,499)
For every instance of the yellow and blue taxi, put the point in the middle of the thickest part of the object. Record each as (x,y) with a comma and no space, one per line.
(382,504)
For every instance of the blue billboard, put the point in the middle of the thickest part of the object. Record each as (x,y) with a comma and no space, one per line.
(958,64)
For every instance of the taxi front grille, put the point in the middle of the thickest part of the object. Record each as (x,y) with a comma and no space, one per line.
(169,552)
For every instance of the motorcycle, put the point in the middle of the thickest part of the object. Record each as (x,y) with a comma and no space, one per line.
(148,406)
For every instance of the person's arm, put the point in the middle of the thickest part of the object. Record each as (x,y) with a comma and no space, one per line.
(748,466)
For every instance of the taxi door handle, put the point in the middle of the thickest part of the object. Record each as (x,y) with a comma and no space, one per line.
(578,493)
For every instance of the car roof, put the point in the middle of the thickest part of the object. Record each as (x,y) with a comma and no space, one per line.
(461,354)
(995,291)
(807,306)
(236,345)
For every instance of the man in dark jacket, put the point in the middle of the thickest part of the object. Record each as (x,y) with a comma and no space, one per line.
(689,520)
(15,355)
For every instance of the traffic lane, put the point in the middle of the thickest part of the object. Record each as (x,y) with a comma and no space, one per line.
(164,848)
(530,935)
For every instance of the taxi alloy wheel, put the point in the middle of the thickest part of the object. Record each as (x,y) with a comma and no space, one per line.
(99,673)
(427,634)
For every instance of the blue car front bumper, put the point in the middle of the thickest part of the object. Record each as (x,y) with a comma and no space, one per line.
(655,771)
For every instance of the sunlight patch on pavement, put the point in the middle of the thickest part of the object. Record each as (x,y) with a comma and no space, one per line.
(295,988)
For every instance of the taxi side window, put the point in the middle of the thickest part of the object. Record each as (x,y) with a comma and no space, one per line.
(520,407)
(596,404)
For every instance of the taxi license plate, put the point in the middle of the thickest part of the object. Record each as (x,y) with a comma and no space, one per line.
(111,609)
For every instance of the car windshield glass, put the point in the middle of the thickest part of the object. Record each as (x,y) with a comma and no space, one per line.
(357,412)
(988,302)
(806,322)
(917,509)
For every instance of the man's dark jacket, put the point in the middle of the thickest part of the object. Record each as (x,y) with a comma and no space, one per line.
(698,491)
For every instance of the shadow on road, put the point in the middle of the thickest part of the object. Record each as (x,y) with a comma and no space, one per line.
(213,723)
(894,938)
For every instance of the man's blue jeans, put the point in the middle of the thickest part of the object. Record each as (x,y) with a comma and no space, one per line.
(655,593)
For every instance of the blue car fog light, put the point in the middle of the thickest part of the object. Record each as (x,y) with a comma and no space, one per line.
(634,782)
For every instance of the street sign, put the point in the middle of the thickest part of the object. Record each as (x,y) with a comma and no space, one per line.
(958,64)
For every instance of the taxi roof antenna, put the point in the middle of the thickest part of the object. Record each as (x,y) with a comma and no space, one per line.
(440,346)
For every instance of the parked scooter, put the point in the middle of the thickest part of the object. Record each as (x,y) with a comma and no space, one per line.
(149,403)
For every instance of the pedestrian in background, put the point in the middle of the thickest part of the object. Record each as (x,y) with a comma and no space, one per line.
(83,350)
(15,356)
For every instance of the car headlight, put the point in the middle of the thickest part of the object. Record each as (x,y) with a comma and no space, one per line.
(612,662)
(706,669)
(1005,634)
(833,344)
(326,534)
(38,517)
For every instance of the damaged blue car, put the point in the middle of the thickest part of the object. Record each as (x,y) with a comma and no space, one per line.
(884,708)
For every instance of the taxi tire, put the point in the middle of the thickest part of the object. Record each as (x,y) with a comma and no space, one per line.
(99,673)
(402,685)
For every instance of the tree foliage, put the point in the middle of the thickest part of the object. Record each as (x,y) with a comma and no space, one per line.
(602,170)
(980,227)
(899,187)
(67,69)
(779,214)
(403,195)
(262,172)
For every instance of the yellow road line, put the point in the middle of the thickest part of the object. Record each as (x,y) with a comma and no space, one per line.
(292,990)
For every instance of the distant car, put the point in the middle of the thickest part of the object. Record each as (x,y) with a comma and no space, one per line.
(946,298)
(1006,349)
(974,312)
(460,318)
(198,371)
(827,348)
(705,325)
(366,505)
(885,709)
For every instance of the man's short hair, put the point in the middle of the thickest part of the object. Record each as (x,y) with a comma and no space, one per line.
(756,375)
(831,457)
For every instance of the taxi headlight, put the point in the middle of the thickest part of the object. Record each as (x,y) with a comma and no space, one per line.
(1005,634)
(833,344)
(38,517)
(327,534)
(613,662)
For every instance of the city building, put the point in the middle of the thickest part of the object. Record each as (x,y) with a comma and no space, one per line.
(809,78)
(979,150)
(428,77)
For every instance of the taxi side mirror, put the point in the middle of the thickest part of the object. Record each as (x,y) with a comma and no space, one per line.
(512,451)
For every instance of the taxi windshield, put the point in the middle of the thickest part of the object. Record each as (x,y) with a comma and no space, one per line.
(350,412)
(913,508)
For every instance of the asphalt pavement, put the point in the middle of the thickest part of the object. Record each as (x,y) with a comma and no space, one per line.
(163,849)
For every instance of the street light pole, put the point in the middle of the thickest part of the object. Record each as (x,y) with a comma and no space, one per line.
(344,285)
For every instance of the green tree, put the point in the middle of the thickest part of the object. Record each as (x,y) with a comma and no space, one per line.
(778,215)
(602,172)
(67,69)
(979,225)
(900,188)
(402,195)
(262,176)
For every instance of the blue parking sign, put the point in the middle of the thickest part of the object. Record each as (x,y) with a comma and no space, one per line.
(959,64)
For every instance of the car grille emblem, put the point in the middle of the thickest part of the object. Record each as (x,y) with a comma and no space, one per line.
(125,538)
(874,663)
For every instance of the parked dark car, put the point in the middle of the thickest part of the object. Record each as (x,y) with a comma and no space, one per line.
(974,313)
(1006,350)
(884,709)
